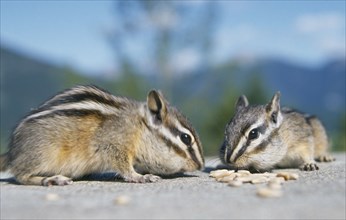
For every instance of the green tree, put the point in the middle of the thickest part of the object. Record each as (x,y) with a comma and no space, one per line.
(130,84)
(215,123)
(71,78)
(255,89)
(340,136)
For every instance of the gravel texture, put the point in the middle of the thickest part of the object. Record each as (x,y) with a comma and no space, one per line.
(315,195)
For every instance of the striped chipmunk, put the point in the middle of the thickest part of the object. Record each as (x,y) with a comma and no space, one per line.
(264,137)
(86,130)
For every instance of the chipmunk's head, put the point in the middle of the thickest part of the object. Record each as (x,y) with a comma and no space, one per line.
(177,145)
(251,137)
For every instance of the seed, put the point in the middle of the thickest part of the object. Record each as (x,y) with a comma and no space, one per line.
(266,174)
(274,180)
(216,172)
(269,193)
(246,179)
(273,185)
(244,172)
(225,179)
(277,180)
(220,173)
(288,176)
(235,183)
(122,200)
(52,197)
(258,180)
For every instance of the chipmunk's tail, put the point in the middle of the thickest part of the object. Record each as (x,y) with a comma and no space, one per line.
(4,162)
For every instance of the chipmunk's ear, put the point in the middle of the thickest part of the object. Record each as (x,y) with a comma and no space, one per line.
(241,103)
(273,107)
(157,104)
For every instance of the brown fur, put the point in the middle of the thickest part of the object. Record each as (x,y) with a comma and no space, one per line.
(286,138)
(86,130)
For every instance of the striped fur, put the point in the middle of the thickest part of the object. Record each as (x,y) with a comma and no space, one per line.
(86,129)
(265,136)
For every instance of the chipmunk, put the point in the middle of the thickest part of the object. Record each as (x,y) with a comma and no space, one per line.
(86,130)
(264,137)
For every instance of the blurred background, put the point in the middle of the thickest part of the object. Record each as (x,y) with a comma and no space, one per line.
(202,54)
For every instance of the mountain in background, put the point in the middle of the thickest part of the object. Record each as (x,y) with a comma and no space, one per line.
(24,81)
(27,82)
(319,91)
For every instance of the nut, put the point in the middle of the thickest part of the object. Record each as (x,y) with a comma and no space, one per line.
(269,193)
(52,197)
(273,185)
(122,200)
(277,180)
(258,180)
(220,173)
(288,175)
(245,179)
(244,172)
(274,180)
(235,183)
(225,179)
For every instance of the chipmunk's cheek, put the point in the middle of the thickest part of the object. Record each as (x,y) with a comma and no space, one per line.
(242,162)
(192,166)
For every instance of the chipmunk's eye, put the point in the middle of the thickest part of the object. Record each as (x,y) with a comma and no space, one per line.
(186,139)
(253,134)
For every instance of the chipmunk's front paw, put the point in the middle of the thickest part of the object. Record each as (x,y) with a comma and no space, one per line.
(57,180)
(309,167)
(150,178)
(147,178)
(325,158)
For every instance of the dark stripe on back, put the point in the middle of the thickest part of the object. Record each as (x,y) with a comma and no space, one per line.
(308,118)
(68,113)
(85,95)
(287,110)
(80,97)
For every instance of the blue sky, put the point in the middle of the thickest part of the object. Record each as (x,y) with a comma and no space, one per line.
(73,32)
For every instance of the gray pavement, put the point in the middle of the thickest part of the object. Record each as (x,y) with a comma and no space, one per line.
(315,195)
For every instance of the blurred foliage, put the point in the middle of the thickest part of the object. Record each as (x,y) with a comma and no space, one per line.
(158,28)
(212,131)
(3,143)
(71,77)
(206,94)
(339,138)
(129,84)
(256,92)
